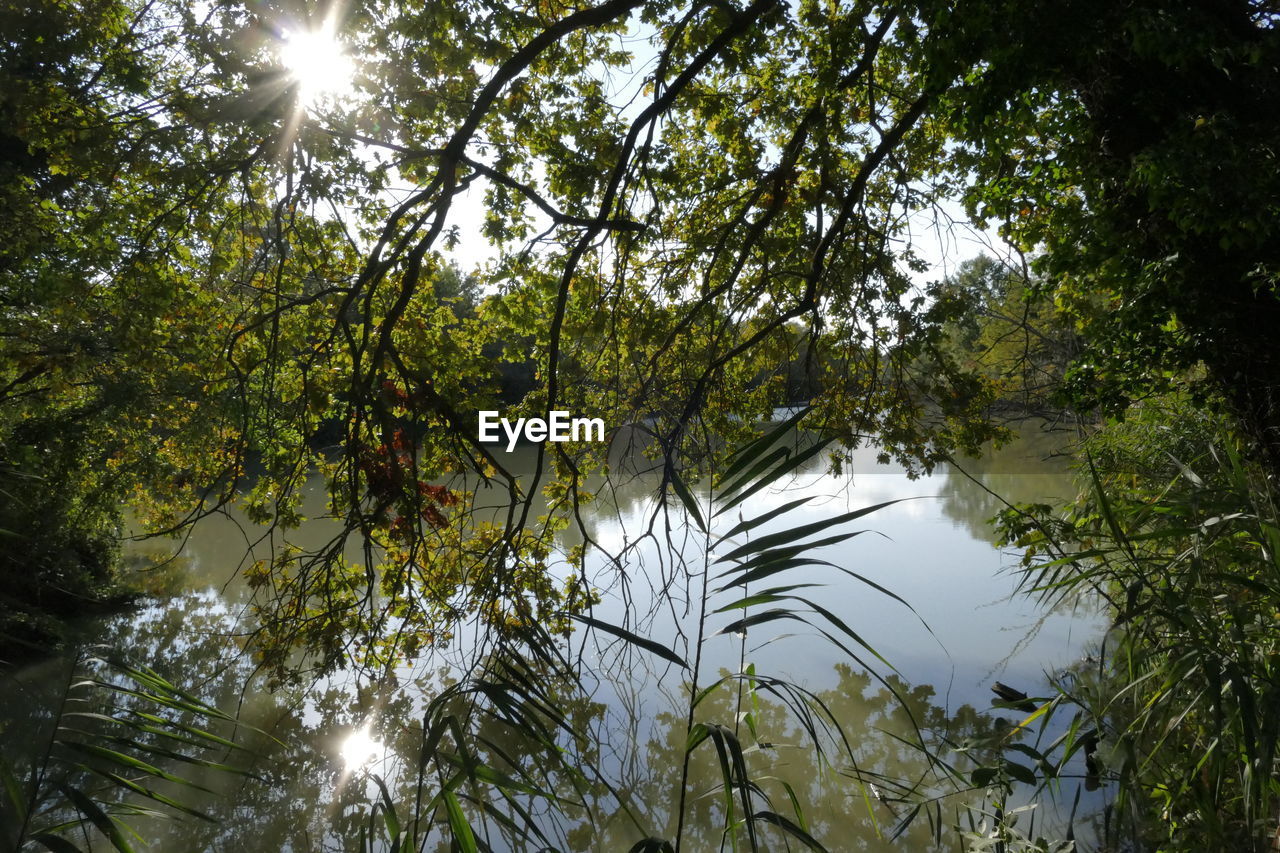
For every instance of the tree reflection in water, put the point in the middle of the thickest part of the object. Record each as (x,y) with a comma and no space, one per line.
(840,811)
(628,741)
(1036,467)
(306,799)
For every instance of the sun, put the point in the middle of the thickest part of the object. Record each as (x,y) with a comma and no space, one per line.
(318,63)
(360,748)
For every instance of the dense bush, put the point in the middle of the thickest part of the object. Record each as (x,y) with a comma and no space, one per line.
(1178,532)
(60,526)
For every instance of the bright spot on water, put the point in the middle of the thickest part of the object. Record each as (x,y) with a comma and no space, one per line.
(316,60)
(360,749)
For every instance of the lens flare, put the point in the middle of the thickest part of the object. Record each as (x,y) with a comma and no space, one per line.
(318,63)
(359,749)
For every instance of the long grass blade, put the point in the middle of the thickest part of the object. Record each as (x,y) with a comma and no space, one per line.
(631,637)
(105,824)
(463,836)
(790,828)
(795,534)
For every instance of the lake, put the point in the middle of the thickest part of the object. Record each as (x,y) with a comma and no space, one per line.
(962,631)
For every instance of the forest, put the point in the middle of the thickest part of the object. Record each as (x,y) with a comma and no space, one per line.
(264,264)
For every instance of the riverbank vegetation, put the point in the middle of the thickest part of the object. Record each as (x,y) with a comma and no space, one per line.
(219,277)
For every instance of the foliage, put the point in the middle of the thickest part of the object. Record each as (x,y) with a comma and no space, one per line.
(1157,437)
(1001,331)
(500,746)
(114,730)
(129,255)
(780,153)
(1134,144)
(211,288)
(249,285)
(60,545)
(1179,709)
(281,294)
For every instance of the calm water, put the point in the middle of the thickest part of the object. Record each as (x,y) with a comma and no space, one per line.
(934,549)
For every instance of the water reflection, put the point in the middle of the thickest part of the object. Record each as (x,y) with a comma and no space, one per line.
(359,749)
(847,791)
(326,738)
(309,796)
(1036,468)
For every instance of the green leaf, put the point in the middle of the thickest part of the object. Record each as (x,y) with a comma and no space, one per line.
(796,832)
(727,743)
(757,469)
(981,777)
(459,825)
(129,762)
(795,805)
(151,794)
(760,618)
(767,568)
(768,596)
(744,455)
(775,555)
(791,464)
(686,498)
(55,843)
(1020,773)
(708,690)
(718,738)
(200,734)
(635,639)
(794,534)
(389,816)
(106,825)
(753,523)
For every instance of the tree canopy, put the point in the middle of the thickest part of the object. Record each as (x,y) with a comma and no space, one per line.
(213,286)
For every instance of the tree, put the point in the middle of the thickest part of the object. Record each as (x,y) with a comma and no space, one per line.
(1134,143)
(661,244)
(213,287)
(135,264)
(774,160)
(1000,330)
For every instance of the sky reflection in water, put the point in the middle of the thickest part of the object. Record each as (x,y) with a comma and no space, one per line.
(934,551)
